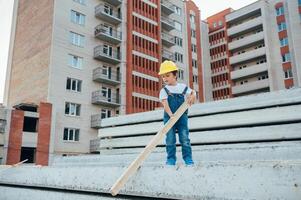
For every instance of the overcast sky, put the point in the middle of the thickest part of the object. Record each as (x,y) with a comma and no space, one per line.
(208,8)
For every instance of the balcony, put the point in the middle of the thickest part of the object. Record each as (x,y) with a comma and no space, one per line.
(96,121)
(167,7)
(167,23)
(113,2)
(108,34)
(245,27)
(247,56)
(248,40)
(95,145)
(102,76)
(112,100)
(251,87)
(249,71)
(167,40)
(167,55)
(1,140)
(107,14)
(107,54)
(245,12)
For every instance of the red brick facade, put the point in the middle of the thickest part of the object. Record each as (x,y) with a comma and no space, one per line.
(44,130)
(15,137)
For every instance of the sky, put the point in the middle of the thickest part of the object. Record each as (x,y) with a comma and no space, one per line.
(207,7)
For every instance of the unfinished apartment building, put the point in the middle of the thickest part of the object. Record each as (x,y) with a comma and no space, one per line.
(255,49)
(93,59)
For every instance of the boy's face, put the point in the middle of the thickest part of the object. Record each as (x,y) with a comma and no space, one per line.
(169,78)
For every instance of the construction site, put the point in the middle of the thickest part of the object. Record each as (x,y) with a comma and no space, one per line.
(82,115)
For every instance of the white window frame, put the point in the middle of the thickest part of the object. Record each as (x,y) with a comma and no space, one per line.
(192,19)
(106,112)
(178,26)
(178,11)
(75,61)
(286,58)
(284,42)
(280,11)
(74,82)
(74,109)
(282,26)
(72,134)
(178,41)
(77,39)
(288,74)
(179,57)
(78,18)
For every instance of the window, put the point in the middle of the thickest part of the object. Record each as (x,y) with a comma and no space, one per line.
(74,85)
(284,42)
(71,134)
(77,39)
(279,11)
(181,74)
(220,23)
(261,61)
(194,63)
(214,25)
(266,76)
(77,18)
(75,61)
(281,26)
(108,9)
(108,50)
(83,2)
(193,48)
(178,10)
(195,78)
(243,82)
(178,26)
(192,19)
(286,57)
(178,41)
(193,33)
(105,113)
(179,57)
(106,92)
(72,109)
(288,74)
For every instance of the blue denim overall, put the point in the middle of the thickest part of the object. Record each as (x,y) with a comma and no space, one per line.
(175,100)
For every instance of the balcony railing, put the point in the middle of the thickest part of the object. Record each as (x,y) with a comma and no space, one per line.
(167,40)
(167,7)
(94,145)
(100,75)
(114,2)
(167,55)
(107,54)
(108,34)
(108,14)
(99,99)
(167,23)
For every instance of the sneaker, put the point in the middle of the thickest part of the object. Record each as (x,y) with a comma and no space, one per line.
(189,163)
(171,162)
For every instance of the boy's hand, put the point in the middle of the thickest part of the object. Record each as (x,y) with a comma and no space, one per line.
(191,99)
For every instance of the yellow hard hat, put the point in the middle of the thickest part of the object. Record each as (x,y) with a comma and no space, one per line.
(167,66)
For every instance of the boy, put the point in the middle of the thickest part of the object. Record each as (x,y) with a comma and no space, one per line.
(172,96)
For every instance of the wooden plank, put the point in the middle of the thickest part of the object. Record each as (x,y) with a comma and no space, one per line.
(276,132)
(253,117)
(148,149)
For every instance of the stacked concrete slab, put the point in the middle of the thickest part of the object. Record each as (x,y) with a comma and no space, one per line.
(244,148)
